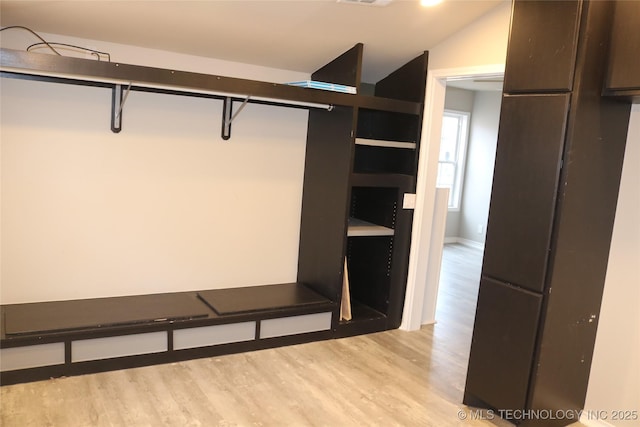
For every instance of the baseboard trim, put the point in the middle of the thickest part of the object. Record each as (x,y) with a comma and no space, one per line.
(466,242)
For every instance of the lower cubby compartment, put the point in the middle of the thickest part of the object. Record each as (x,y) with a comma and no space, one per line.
(294,314)
(369,261)
(364,320)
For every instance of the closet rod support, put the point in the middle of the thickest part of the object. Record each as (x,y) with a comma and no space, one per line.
(118,98)
(228,117)
(227,107)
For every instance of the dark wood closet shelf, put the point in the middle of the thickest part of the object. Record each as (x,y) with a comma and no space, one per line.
(62,69)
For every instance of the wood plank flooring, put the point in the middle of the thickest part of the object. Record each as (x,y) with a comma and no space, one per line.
(394,378)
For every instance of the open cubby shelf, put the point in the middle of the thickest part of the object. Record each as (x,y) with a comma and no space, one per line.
(368,142)
(360,228)
(386,144)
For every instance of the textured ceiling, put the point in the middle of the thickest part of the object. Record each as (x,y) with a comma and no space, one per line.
(299,35)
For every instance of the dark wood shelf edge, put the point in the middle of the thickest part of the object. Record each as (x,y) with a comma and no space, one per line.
(623,95)
(98,73)
(404,182)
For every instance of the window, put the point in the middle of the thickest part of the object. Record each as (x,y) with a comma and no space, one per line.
(453,144)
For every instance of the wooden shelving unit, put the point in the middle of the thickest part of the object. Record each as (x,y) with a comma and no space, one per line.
(373,158)
(370,146)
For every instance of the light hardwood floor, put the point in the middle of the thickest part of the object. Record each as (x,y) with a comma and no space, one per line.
(393,378)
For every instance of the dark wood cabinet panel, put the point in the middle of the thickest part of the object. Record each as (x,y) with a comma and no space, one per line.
(550,223)
(345,69)
(540,61)
(325,200)
(399,263)
(504,338)
(624,59)
(407,82)
(528,158)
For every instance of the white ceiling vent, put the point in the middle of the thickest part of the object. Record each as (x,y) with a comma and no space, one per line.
(367,2)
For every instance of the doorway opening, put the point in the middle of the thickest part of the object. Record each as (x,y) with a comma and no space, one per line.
(426,249)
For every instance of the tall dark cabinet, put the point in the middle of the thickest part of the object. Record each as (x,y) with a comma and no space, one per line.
(557,173)
(360,162)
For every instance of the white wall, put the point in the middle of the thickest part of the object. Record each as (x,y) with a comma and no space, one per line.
(166,205)
(481,153)
(482,42)
(484,107)
(459,100)
(614,383)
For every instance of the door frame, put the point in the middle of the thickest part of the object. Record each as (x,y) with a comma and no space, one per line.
(421,247)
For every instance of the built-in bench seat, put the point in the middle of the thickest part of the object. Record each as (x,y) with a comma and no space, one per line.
(61,338)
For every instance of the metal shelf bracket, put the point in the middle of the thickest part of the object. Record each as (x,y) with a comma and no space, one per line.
(228,117)
(118,98)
